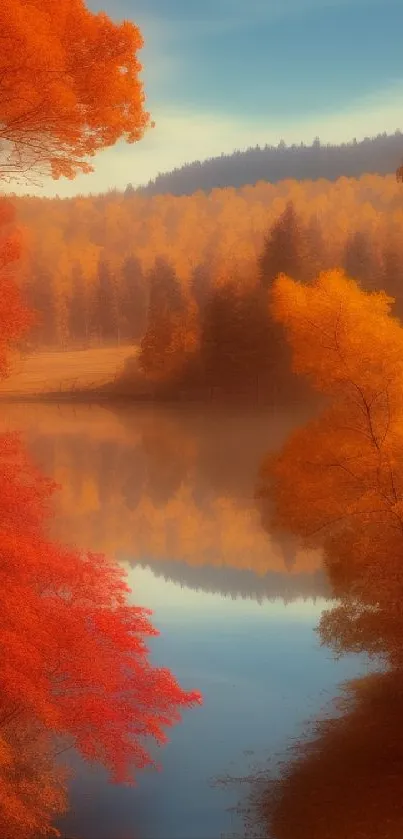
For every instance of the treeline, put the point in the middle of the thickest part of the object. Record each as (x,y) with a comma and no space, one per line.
(222,336)
(188,278)
(381,155)
(112,309)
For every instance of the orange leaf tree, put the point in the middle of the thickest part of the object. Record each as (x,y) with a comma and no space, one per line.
(72,648)
(74,664)
(69,86)
(338,482)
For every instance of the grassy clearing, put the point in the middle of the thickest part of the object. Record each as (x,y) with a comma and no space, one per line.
(65,372)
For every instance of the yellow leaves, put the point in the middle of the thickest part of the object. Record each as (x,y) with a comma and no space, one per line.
(189,229)
(340,335)
(338,482)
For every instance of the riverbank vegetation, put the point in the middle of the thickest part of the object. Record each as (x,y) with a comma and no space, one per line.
(187,281)
(337,486)
(75,668)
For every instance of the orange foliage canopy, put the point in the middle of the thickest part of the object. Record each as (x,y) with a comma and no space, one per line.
(32,791)
(72,649)
(69,86)
(337,484)
(74,664)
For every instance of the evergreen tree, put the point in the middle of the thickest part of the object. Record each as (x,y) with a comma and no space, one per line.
(254,343)
(201,284)
(129,191)
(283,249)
(220,333)
(166,307)
(358,260)
(314,251)
(289,250)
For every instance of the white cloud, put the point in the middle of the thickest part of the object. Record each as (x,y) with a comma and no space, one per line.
(184,136)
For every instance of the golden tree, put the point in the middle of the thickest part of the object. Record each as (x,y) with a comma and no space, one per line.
(69,86)
(338,483)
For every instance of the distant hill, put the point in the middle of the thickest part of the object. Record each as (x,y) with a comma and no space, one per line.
(380,155)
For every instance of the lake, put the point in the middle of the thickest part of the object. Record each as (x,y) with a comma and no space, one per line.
(170,493)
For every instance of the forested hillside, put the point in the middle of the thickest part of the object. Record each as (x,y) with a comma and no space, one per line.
(188,278)
(379,155)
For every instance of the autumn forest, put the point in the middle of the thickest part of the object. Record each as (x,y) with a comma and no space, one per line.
(186,280)
(243,464)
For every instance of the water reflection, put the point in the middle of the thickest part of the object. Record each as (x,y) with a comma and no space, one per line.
(336,487)
(233,582)
(173,490)
(257,668)
(344,781)
(172,495)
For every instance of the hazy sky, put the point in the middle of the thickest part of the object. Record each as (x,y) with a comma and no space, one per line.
(227,74)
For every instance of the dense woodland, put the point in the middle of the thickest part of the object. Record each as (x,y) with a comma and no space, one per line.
(188,279)
(381,154)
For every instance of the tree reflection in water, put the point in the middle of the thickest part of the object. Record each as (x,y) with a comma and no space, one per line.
(344,779)
(338,484)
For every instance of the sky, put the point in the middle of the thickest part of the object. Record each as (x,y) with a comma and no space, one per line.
(221,75)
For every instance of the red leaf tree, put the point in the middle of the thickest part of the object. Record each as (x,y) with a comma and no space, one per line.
(73,650)
(74,667)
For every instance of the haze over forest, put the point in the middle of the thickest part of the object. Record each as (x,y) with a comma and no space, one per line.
(379,155)
(184,280)
(233,472)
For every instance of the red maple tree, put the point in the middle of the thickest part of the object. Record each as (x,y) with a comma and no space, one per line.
(75,669)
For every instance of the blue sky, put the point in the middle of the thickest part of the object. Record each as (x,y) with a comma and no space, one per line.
(226,74)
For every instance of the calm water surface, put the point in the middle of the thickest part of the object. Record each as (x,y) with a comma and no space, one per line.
(170,494)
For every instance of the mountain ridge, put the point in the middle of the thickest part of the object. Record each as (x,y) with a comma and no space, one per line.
(381,155)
